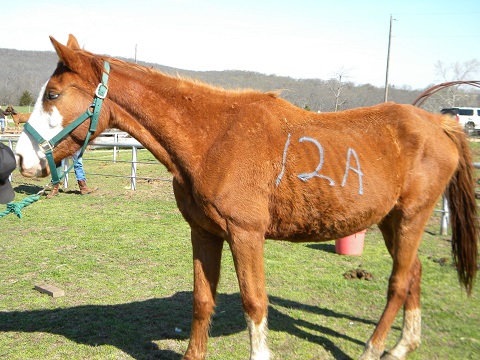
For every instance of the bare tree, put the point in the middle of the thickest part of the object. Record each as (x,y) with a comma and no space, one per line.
(336,86)
(468,70)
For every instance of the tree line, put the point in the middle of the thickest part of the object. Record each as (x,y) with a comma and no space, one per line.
(23,73)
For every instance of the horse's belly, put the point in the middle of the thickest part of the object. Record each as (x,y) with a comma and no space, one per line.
(327,217)
(321,228)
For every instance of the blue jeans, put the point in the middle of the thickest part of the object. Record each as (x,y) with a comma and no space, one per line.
(78,167)
(2,123)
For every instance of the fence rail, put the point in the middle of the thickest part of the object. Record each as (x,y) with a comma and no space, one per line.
(114,140)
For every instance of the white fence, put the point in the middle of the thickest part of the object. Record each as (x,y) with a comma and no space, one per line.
(115,140)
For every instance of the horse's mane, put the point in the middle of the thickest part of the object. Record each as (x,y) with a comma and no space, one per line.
(131,68)
(198,82)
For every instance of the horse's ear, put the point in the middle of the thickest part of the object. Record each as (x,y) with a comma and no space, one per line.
(67,54)
(72,42)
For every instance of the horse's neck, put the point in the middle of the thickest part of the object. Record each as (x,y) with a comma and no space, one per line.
(169,116)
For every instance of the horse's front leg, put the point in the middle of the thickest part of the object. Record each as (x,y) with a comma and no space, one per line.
(207,253)
(247,250)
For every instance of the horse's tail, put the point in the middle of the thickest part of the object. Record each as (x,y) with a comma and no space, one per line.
(460,194)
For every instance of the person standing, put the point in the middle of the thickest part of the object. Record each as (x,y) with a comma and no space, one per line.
(3,119)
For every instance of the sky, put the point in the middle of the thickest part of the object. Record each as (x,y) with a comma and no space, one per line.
(317,39)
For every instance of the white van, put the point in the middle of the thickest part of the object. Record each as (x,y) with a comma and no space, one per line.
(467,116)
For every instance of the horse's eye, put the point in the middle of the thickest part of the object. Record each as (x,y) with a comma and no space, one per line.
(52,95)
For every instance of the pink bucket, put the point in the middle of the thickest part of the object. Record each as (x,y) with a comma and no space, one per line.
(351,245)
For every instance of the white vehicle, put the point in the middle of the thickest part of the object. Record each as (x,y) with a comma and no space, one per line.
(467,116)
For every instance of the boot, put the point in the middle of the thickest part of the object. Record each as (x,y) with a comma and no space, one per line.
(84,189)
(54,191)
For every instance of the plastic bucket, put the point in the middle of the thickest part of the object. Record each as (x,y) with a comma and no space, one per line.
(351,245)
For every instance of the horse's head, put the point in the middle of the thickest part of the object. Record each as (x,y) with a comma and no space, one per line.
(55,129)
(11,110)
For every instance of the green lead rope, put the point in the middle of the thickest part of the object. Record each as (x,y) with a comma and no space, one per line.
(17,207)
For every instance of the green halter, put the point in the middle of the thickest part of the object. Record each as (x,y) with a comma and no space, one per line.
(92,113)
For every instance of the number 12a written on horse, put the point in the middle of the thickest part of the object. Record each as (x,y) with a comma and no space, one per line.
(351,153)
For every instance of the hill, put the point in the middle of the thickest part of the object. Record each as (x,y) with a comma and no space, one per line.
(28,70)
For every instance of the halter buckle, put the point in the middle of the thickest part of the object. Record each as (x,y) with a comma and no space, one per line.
(101,91)
(46,146)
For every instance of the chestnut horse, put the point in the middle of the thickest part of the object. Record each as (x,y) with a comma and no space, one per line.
(18,118)
(249,166)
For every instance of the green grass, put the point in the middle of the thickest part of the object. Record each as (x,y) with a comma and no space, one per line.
(123,259)
(20,109)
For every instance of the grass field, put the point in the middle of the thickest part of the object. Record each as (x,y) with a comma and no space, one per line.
(123,259)
(21,109)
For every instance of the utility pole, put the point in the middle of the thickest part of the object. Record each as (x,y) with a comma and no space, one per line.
(388,59)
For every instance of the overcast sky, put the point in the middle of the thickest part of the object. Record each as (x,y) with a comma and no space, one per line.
(300,39)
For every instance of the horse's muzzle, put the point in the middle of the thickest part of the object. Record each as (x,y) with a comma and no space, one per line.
(41,170)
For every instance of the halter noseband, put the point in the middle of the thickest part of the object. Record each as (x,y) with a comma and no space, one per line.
(92,113)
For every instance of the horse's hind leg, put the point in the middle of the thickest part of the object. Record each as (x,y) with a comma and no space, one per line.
(402,237)
(411,330)
(207,253)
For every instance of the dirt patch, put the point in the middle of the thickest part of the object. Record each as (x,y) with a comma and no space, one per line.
(444,261)
(358,274)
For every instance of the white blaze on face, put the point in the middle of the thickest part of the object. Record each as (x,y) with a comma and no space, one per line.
(47,124)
